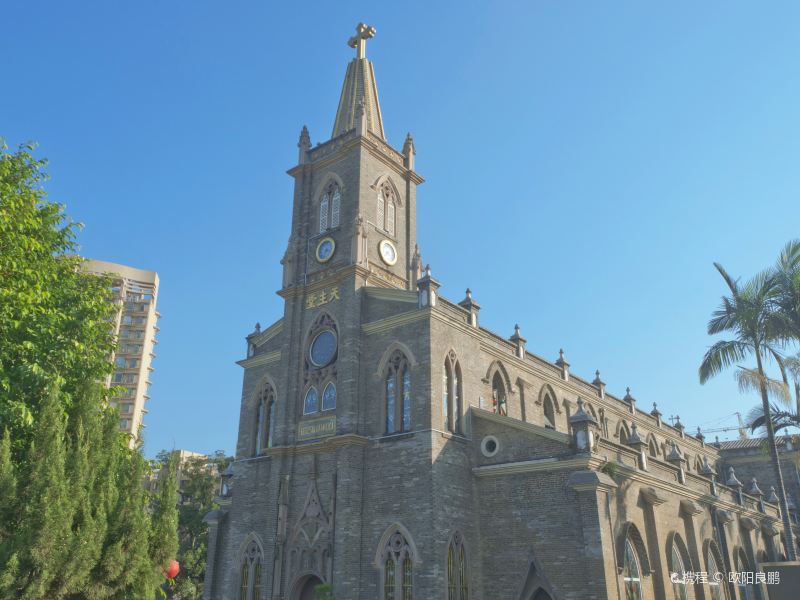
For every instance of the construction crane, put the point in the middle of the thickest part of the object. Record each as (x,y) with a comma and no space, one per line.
(742,428)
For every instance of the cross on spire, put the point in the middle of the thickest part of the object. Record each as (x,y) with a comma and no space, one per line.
(359,40)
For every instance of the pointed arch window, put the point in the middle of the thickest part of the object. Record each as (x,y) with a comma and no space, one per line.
(311,402)
(714,574)
(329,397)
(677,573)
(265,417)
(398,570)
(452,409)
(397,384)
(250,573)
(746,590)
(457,576)
(549,412)
(336,199)
(631,573)
(499,394)
(386,210)
(323,213)
(329,207)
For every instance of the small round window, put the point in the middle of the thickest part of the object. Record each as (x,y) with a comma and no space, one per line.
(489,446)
(323,348)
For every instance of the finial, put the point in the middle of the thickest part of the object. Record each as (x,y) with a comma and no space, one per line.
(258,327)
(700,435)
(469,294)
(427,271)
(516,328)
(678,424)
(732,480)
(655,412)
(675,453)
(773,497)
(561,360)
(628,396)
(359,40)
(754,490)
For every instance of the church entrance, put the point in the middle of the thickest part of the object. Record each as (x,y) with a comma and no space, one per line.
(306,589)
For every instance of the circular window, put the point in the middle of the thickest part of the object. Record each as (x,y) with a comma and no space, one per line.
(323,348)
(325,249)
(489,446)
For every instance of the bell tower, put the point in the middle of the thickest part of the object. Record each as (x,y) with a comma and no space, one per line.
(354,210)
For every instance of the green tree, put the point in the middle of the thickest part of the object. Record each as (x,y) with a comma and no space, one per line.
(200,477)
(75,520)
(748,313)
(787,283)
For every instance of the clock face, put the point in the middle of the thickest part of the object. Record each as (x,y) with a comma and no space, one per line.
(325,249)
(323,348)
(388,252)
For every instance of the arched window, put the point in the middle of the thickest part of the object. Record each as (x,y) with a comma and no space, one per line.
(323,213)
(260,412)
(329,207)
(631,573)
(446,385)
(677,573)
(457,576)
(499,394)
(714,575)
(250,573)
(549,412)
(311,402)
(746,590)
(336,201)
(398,575)
(398,394)
(652,448)
(264,421)
(329,397)
(386,211)
(452,394)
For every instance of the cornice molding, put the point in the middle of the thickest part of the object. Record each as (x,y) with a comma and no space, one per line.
(538,465)
(395,321)
(261,359)
(521,425)
(391,294)
(269,333)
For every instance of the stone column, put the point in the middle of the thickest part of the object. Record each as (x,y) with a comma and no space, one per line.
(688,511)
(655,541)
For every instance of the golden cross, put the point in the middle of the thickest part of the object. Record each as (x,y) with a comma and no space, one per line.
(359,40)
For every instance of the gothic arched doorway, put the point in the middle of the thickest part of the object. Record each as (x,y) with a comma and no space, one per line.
(305,588)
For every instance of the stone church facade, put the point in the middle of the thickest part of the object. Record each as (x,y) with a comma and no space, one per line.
(392,447)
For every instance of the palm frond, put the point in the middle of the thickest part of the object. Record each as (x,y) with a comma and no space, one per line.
(750,380)
(732,283)
(722,355)
(790,256)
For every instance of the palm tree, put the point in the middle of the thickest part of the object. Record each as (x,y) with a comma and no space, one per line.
(787,284)
(749,314)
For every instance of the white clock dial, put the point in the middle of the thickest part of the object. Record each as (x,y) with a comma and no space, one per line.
(388,252)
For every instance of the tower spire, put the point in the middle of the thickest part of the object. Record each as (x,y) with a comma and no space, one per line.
(359,91)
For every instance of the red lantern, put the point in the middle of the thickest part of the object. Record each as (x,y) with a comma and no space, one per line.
(174,569)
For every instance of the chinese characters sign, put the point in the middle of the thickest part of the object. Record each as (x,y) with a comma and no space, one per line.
(322,297)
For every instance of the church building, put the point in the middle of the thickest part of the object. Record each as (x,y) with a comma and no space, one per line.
(393,448)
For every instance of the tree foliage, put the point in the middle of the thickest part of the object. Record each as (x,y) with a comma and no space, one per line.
(75,519)
(200,481)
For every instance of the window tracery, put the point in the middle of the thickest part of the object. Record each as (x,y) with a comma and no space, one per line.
(329,207)
(386,211)
(265,417)
(457,576)
(397,562)
(320,370)
(397,387)
(250,572)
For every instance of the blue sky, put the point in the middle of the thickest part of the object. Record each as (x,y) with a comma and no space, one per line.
(586,163)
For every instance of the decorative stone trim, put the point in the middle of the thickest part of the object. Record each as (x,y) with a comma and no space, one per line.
(261,359)
(521,425)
